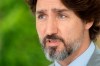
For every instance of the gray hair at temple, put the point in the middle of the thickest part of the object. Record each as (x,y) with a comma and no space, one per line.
(87,10)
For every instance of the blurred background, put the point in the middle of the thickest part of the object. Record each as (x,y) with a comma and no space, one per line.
(19,45)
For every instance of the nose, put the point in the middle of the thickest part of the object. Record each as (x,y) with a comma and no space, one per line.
(51,27)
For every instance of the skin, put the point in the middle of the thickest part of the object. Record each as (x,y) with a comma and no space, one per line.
(52,17)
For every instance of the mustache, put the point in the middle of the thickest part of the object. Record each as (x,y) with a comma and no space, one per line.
(52,37)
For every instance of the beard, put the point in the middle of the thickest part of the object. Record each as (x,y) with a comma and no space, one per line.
(69,47)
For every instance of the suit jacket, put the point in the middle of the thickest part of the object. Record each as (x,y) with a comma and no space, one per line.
(94,60)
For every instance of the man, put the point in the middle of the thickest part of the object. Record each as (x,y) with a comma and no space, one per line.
(67,29)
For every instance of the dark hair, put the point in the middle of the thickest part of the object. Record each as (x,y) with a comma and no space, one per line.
(87,10)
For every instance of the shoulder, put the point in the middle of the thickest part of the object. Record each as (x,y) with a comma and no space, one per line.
(95,59)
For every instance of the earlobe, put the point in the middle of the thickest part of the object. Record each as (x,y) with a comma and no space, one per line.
(88,25)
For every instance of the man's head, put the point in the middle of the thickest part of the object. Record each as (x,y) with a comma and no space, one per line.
(64,26)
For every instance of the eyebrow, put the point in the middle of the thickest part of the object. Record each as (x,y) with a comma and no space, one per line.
(41,11)
(54,10)
(59,10)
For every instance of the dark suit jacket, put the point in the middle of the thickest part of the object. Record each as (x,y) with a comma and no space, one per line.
(94,60)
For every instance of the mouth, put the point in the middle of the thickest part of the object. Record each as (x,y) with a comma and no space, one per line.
(52,42)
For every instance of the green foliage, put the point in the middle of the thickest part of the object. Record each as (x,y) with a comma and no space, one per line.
(19,45)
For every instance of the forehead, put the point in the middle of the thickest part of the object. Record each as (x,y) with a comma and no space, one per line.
(49,4)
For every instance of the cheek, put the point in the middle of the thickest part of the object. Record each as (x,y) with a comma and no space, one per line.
(40,30)
(72,31)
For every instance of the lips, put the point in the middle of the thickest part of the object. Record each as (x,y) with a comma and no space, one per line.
(52,42)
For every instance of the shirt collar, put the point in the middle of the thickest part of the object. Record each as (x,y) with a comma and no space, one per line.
(83,59)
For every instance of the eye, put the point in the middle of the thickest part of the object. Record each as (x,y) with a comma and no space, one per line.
(62,16)
(42,16)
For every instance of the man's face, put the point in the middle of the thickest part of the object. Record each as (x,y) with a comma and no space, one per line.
(60,31)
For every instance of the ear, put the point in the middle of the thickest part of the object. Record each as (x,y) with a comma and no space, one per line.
(88,25)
